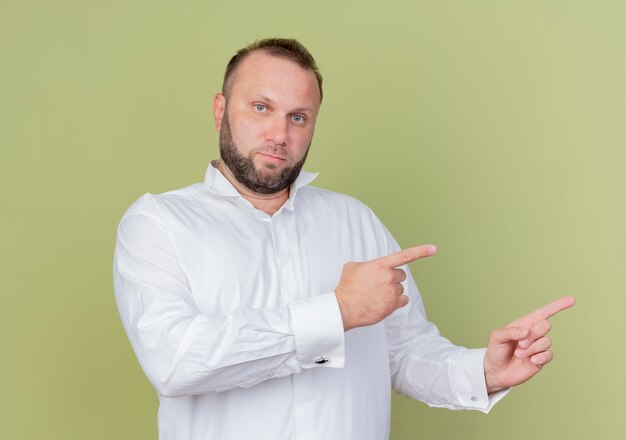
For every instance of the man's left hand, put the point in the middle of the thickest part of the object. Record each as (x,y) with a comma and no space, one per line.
(517,352)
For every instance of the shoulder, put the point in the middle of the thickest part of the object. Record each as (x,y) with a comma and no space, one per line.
(349,215)
(333,199)
(153,205)
(340,207)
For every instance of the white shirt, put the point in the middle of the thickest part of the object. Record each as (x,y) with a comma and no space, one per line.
(232,315)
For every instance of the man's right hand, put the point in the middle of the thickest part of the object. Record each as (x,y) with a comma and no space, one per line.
(369,292)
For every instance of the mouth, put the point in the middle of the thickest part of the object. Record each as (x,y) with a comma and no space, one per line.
(272,158)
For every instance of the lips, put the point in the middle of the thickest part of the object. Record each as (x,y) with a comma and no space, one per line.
(272,157)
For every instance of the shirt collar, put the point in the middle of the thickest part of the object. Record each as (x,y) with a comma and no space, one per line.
(217,183)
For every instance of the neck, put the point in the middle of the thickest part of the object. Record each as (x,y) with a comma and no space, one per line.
(268,203)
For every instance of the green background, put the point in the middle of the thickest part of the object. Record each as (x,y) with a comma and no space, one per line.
(495,129)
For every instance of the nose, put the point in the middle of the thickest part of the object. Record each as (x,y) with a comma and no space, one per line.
(277,130)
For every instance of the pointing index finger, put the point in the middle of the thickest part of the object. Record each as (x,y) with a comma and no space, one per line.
(554,307)
(408,255)
(549,310)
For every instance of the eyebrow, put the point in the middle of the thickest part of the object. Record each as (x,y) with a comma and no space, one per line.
(265,98)
(296,110)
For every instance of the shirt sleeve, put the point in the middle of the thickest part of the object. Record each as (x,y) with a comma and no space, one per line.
(185,352)
(426,366)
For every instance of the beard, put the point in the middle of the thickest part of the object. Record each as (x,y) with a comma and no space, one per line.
(245,170)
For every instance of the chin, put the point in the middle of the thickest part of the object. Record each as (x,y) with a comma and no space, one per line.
(271,166)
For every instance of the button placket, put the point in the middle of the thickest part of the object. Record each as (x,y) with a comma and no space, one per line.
(285,263)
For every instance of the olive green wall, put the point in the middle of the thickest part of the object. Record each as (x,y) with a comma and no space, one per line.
(495,129)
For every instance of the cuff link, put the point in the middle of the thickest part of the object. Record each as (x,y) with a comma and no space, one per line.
(321,360)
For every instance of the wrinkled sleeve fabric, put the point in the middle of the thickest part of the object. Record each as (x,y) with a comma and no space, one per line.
(184,352)
(426,366)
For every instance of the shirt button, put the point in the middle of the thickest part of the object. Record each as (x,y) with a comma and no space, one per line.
(321,360)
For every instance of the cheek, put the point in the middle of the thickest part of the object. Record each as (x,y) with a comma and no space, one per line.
(244,135)
(303,140)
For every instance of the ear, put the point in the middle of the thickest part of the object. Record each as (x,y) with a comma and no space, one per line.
(219,106)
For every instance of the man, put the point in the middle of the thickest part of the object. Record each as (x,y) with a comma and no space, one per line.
(262,307)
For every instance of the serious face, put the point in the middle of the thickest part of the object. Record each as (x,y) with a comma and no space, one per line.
(246,171)
(267,122)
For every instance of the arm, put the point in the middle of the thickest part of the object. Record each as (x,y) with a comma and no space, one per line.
(184,352)
(423,364)
(428,367)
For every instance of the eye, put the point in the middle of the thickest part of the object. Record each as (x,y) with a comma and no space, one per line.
(298,118)
(260,108)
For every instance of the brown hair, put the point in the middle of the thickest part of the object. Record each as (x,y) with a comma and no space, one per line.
(288,48)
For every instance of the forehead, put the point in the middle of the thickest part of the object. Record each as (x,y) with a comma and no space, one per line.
(260,72)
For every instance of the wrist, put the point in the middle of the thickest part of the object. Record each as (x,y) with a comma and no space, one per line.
(344,309)
(491,382)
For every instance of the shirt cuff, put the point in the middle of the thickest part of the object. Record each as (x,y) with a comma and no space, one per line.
(468,380)
(318,330)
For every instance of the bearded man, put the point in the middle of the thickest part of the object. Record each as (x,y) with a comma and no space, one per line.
(262,307)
